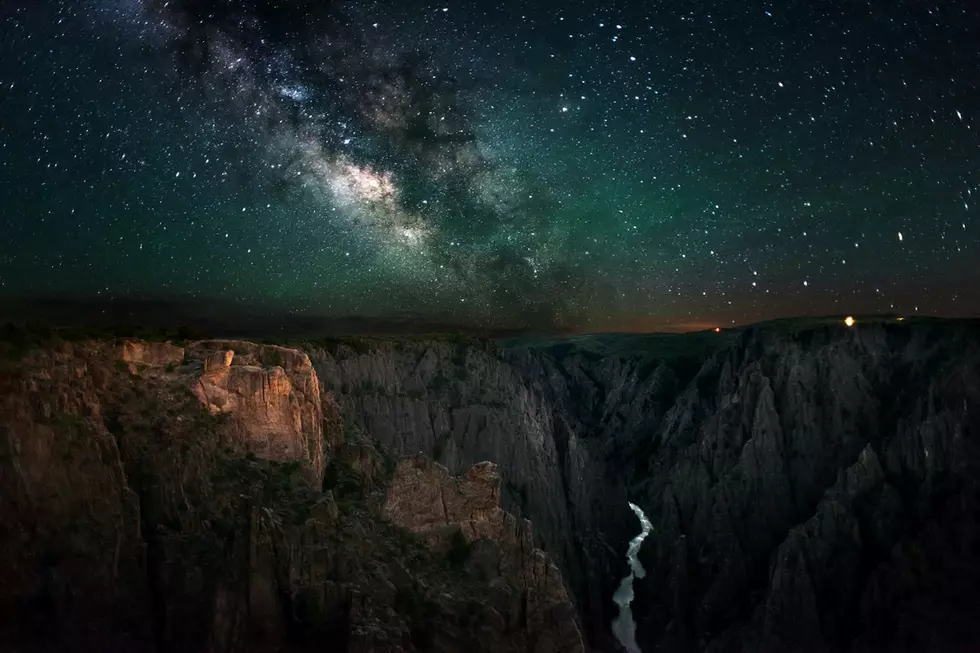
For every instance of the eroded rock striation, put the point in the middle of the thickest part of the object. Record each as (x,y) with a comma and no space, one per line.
(733,444)
(177,501)
(811,487)
(814,490)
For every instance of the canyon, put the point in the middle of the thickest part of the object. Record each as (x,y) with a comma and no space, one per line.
(810,487)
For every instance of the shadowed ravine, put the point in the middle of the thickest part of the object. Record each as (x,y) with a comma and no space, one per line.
(624,627)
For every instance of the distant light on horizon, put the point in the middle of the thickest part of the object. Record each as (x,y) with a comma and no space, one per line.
(849,321)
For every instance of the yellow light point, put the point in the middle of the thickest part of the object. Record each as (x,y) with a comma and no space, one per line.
(901,319)
(849,321)
(717,329)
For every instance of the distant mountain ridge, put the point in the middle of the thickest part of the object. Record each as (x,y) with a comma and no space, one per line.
(222,318)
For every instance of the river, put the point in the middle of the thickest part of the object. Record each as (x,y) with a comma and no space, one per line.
(624,627)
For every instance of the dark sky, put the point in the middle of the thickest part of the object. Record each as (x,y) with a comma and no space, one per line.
(613,165)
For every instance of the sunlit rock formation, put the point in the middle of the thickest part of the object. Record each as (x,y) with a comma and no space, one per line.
(271,394)
(151,353)
(167,499)
(464,512)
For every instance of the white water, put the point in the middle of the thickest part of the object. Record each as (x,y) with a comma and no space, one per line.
(623,627)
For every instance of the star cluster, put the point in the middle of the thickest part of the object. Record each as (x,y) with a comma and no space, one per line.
(615,166)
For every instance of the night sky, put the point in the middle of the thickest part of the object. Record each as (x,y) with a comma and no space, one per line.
(599,166)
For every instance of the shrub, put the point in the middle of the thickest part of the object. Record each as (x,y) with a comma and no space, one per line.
(344,482)
(354,432)
(459,355)
(272,358)
(459,550)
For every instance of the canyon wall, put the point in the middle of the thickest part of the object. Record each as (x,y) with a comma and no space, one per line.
(811,487)
(209,498)
(562,430)
(771,461)
(818,490)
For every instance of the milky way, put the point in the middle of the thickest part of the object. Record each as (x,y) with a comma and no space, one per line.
(675,164)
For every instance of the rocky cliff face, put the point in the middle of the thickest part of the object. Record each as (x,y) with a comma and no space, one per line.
(817,491)
(70,540)
(159,498)
(811,488)
(771,461)
(456,515)
(464,402)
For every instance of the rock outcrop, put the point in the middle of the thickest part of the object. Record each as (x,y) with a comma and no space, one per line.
(151,353)
(150,503)
(455,515)
(271,394)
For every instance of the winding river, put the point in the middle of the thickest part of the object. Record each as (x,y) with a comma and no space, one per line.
(624,627)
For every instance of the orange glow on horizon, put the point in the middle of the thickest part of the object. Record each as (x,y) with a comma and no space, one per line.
(849,321)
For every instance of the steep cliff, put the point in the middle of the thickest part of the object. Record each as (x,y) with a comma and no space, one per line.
(811,487)
(562,423)
(463,402)
(818,491)
(771,460)
(160,498)
(461,518)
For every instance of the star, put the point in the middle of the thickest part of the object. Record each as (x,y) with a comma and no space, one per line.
(329,154)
